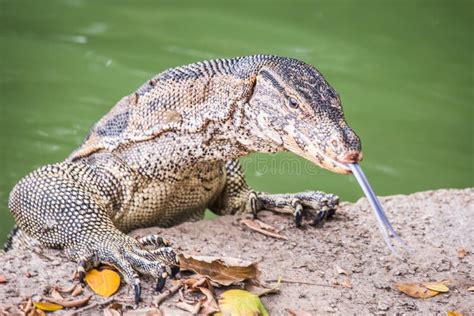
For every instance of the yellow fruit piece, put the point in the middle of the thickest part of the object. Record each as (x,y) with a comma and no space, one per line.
(105,282)
(454,313)
(437,286)
(242,303)
(47,307)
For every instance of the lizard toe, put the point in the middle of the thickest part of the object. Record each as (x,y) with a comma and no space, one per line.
(130,257)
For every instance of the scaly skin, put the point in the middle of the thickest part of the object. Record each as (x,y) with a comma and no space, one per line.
(167,152)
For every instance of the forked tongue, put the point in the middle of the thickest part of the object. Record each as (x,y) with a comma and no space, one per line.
(385,227)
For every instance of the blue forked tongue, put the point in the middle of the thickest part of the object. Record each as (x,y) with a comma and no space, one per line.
(385,227)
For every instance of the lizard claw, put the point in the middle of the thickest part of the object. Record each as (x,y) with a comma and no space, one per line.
(137,289)
(298,214)
(174,271)
(81,270)
(319,218)
(160,283)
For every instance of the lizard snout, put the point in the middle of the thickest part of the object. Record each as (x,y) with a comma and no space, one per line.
(350,157)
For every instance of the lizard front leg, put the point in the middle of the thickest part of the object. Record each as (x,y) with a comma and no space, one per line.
(60,210)
(238,197)
(315,206)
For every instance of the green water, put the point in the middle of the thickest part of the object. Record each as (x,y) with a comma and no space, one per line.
(404,70)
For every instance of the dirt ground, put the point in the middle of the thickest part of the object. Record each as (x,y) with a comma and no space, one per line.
(435,224)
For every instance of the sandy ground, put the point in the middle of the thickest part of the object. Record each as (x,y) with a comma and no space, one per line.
(435,224)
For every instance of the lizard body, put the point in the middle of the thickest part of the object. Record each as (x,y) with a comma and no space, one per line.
(168,151)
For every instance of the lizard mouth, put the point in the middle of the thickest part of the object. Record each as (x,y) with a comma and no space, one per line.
(336,165)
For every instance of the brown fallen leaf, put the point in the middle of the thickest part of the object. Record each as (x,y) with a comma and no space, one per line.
(36,312)
(209,306)
(65,289)
(69,303)
(26,307)
(77,290)
(4,309)
(104,282)
(225,270)
(340,270)
(415,290)
(264,289)
(347,283)
(55,294)
(47,307)
(3,279)
(454,313)
(437,286)
(262,228)
(461,252)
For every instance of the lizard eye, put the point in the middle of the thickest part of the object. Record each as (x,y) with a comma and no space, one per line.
(293,103)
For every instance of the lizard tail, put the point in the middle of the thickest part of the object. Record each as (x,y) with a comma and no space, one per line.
(18,239)
(10,238)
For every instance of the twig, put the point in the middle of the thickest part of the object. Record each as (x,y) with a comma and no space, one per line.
(80,310)
(160,298)
(298,282)
(256,227)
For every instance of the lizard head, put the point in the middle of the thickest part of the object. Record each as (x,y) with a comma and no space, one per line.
(298,110)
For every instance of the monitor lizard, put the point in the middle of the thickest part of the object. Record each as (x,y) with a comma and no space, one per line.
(168,151)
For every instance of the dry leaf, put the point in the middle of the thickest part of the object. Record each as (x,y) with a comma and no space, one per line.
(105,282)
(415,290)
(3,279)
(340,270)
(471,289)
(36,312)
(209,306)
(69,303)
(77,290)
(263,289)
(347,283)
(65,289)
(240,302)
(454,313)
(461,252)
(25,307)
(224,271)
(55,294)
(436,286)
(47,307)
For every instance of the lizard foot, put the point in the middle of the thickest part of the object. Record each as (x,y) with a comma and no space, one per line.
(129,256)
(315,206)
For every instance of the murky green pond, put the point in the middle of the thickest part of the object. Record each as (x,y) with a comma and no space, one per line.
(404,70)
